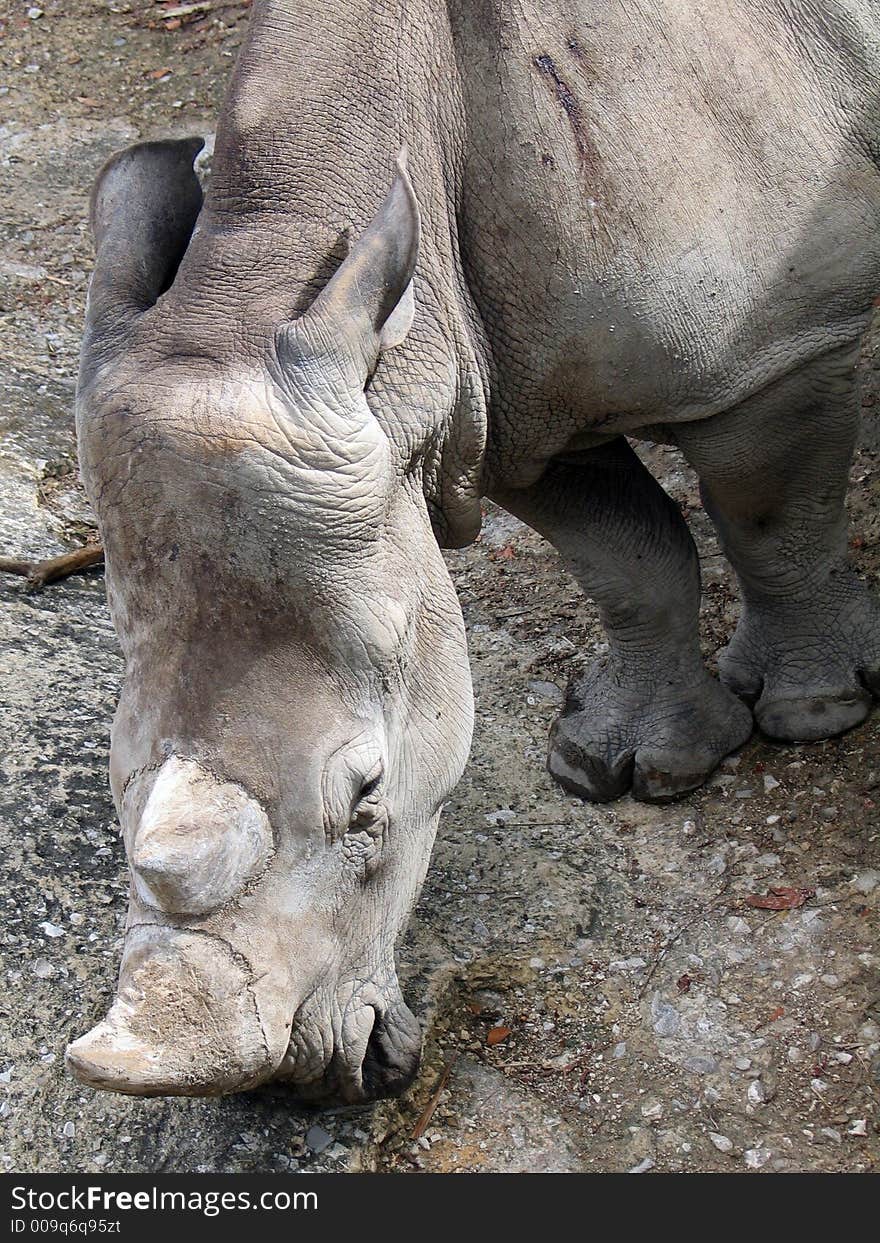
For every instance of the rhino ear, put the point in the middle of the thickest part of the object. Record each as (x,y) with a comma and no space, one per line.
(367,305)
(143,210)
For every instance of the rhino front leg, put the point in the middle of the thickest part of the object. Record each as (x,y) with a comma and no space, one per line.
(774,474)
(648,716)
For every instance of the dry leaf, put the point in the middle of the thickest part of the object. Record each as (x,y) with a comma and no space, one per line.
(155,74)
(780,899)
(496,1034)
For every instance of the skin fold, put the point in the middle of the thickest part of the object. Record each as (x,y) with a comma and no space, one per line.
(606,220)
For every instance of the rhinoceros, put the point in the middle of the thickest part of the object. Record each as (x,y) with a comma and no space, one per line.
(612,220)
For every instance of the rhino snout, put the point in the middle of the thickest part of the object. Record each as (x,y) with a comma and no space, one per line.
(197,843)
(217,995)
(193,1017)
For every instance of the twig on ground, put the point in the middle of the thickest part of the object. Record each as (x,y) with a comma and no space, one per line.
(38,573)
(186,10)
(428,1112)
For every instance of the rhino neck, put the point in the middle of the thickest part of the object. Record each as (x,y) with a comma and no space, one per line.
(323,97)
(322,100)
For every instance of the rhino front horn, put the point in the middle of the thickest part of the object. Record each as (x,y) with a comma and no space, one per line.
(197,843)
(185,1022)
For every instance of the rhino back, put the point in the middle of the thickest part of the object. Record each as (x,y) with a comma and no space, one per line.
(665,204)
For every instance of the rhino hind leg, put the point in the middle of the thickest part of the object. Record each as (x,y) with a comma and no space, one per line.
(774,475)
(648,717)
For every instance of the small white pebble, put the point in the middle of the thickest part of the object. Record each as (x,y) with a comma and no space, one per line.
(503,816)
(756,1158)
(867,881)
(721,1142)
(756,1092)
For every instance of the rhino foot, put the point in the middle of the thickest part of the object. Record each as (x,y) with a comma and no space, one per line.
(658,740)
(811,672)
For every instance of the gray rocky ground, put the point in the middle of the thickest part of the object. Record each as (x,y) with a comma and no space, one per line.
(592,980)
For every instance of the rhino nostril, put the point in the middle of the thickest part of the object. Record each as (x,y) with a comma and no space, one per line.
(393,1053)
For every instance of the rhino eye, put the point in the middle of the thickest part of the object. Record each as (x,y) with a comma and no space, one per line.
(366,806)
(370,786)
(353,788)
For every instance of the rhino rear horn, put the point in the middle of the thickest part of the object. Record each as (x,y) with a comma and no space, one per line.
(143,209)
(367,305)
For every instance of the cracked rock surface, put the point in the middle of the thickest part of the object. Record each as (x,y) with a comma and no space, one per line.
(593,978)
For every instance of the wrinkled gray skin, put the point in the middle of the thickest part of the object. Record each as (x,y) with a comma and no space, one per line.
(657,219)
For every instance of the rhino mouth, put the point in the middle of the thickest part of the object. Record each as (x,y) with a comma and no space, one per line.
(366,1051)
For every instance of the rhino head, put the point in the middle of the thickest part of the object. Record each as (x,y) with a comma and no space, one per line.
(297,701)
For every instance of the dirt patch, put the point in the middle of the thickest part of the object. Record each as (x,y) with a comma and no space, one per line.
(654,1019)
